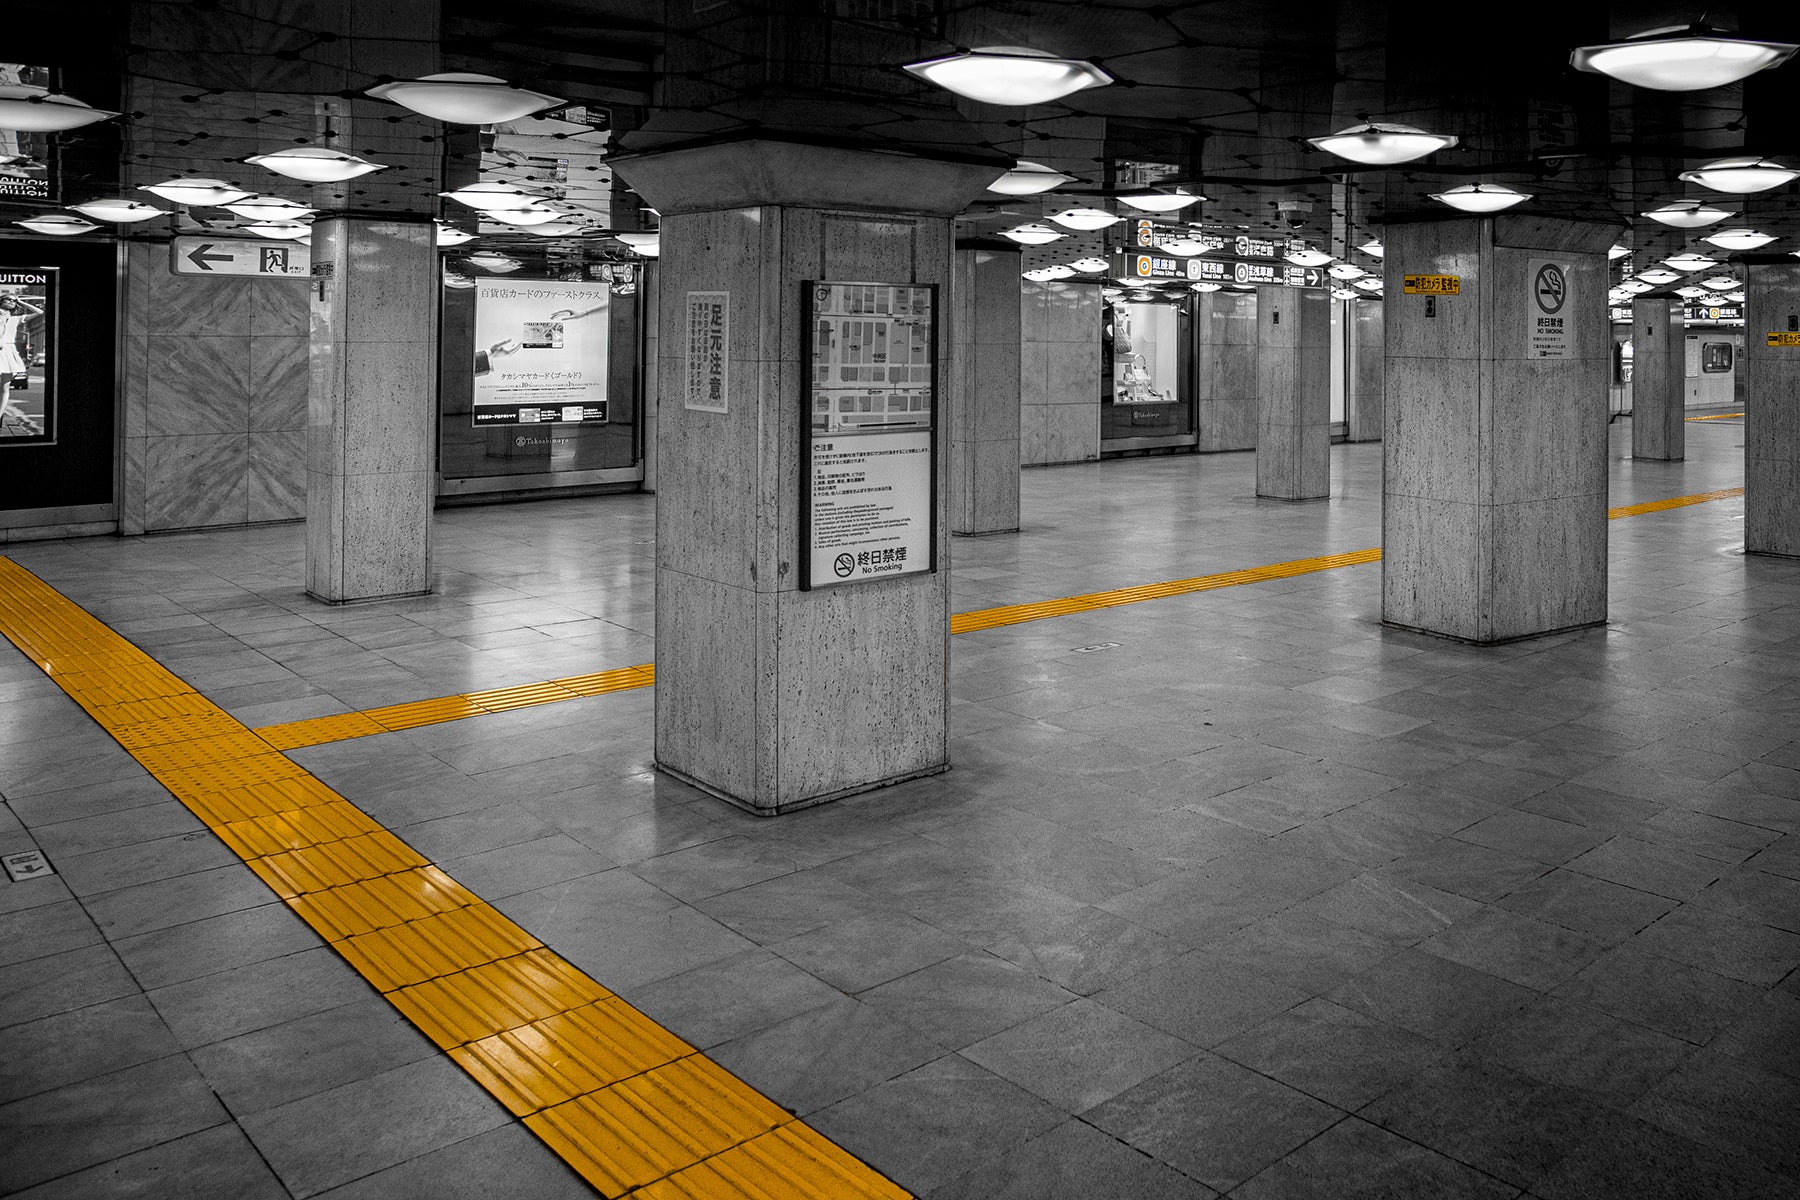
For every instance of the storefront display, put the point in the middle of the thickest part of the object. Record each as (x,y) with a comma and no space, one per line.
(27,356)
(1144,396)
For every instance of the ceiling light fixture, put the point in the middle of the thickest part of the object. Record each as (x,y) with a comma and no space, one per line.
(461,98)
(557,229)
(645,243)
(1344,293)
(1090,265)
(457,280)
(1369,284)
(1481,197)
(125,212)
(1086,218)
(1373,247)
(1010,75)
(57,225)
(1681,59)
(1184,247)
(1739,239)
(450,235)
(284,231)
(1740,176)
(1734,297)
(1616,252)
(269,208)
(1688,214)
(1161,201)
(315,164)
(493,196)
(1205,286)
(1636,287)
(488,260)
(207,193)
(532,214)
(1381,144)
(1346,271)
(1046,274)
(30,109)
(1719,283)
(1690,262)
(1029,179)
(1302,255)
(1690,292)
(1032,235)
(1658,275)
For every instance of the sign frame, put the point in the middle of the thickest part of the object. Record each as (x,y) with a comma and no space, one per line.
(1431,285)
(191,254)
(47,308)
(808,357)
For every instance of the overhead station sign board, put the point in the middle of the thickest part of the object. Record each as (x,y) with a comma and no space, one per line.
(869,449)
(1724,313)
(1152,267)
(238,256)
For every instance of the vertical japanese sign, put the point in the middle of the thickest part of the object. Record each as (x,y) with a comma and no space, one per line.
(28,356)
(870,441)
(708,351)
(1549,315)
(540,352)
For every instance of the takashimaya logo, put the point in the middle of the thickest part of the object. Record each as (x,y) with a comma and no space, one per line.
(844,565)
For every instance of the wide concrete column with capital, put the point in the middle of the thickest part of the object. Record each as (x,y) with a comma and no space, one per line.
(1658,383)
(1494,501)
(1772,409)
(768,696)
(983,409)
(370,408)
(1293,393)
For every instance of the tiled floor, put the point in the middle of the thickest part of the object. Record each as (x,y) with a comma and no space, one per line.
(1263,900)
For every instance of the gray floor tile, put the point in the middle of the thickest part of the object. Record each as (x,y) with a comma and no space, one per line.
(79,1044)
(1214,1120)
(273,992)
(1681,1001)
(1732,1105)
(1527,952)
(1079,1055)
(43,930)
(735,996)
(1431,995)
(1723,943)
(1074,1161)
(1563,1042)
(340,1135)
(507,1161)
(215,1164)
(176,901)
(1354,1160)
(1623,1158)
(859,953)
(965,999)
(43,987)
(1588,905)
(825,1055)
(1201,999)
(1086,950)
(937,1122)
(212,944)
(1328,1051)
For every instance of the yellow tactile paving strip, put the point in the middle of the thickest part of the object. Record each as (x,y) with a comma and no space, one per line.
(1715,417)
(628,1104)
(319,730)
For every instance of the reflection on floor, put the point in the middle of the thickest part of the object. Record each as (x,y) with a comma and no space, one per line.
(1264,899)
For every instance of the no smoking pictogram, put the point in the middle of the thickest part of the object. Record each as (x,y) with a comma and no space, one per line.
(843,565)
(1550,288)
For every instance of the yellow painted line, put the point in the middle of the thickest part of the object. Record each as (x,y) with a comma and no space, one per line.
(1636,510)
(1716,417)
(624,1101)
(320,730)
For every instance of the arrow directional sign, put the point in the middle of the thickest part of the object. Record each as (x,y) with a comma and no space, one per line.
(200,257)
(239,256)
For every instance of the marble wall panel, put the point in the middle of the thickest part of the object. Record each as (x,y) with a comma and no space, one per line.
(279,307)
(196,304)
(1431,565)
(1771,412)
(278,381)
(1071,433)
(708,630)
(275,487)
(1658,410)
(993,486)
(197,384)
(196,479)
(1059,368)
(1546,567)
(1367,372)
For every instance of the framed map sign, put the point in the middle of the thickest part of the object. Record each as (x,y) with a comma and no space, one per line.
(869,443)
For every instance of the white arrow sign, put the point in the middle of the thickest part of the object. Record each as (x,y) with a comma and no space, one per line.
(236,256)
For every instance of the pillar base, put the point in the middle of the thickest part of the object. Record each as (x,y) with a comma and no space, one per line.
(805,802)
(1500,641)
(341,602)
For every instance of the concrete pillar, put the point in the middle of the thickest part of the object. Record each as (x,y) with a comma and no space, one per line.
(1293,393)
(983,414)
(1658,355)
(1494,514)
(769,696)
(1225,370)
(370,408)
(1059,373)
(1772,410)
(1368,372)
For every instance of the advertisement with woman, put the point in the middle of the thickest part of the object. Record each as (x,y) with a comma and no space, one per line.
(27,350)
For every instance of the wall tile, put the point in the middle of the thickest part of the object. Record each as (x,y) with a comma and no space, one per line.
(195,480)
(197,384)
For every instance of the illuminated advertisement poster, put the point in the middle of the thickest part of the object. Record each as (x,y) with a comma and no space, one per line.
(870,440)
(27,355)
(540,352)
(24,171)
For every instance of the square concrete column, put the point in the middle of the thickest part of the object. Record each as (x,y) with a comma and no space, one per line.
(1293,393)
(767,695)
(1494,501)
(1658,357)
(372,398)
(1772,409)
(1059,373)
(1225,370)
(983,416)
(1368,371)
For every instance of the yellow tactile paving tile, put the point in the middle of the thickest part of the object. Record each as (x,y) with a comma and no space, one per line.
(337,864)
(790,1162)
(295,734)
(494,997)
(223,805)
(382,903)
(1715,417)
(598,683)
(248,772)
(652,1125)
(167,730)
(1636,510)
(434,946)
(522,696)
(423,712)
(259,837)
(560,1057)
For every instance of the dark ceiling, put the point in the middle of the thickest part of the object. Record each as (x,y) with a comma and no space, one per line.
(1220,93)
